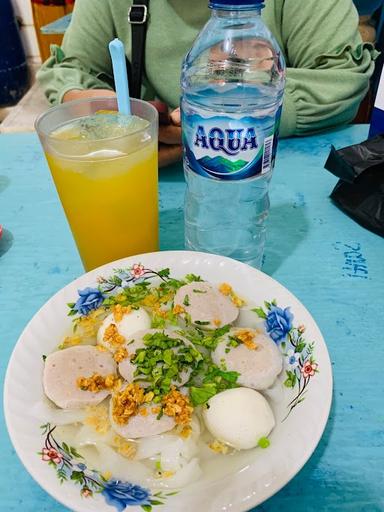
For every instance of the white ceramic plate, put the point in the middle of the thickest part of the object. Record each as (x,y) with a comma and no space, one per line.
(257,474)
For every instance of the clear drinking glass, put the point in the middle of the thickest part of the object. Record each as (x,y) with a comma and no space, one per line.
(107,183)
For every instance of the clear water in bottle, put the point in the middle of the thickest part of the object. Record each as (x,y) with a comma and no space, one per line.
(232,87)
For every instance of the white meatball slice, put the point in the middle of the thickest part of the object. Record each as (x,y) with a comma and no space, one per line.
(127,368)
(257,359)
(239,417)
(64,367)
(206,306)
(131,322)
(143,424)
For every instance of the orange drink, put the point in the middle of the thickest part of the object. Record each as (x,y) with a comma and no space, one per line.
(105,170)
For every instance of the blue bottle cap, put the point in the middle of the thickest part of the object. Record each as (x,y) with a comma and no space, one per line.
(235,4)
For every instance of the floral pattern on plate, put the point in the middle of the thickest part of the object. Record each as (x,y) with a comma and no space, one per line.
(92,298)
(68,466)
(300,364)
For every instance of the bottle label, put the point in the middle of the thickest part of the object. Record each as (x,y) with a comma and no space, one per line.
(230,147)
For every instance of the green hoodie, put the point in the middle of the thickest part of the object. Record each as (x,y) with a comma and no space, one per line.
(328,66)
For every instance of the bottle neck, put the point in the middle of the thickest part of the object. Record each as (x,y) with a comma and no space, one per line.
(234,13)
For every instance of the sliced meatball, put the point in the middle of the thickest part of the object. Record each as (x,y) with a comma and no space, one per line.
(258,367)
(206,306)
(127,368)
(143,426)
(64,367)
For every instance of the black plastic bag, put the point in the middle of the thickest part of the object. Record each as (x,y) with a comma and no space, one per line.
(360,190)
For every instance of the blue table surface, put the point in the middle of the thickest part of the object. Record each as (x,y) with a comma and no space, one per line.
(331,264)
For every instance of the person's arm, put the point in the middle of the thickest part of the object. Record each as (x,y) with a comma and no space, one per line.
(83,62)
(328,66)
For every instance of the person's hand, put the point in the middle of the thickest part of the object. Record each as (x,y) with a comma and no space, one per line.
(79,94)
(170,149)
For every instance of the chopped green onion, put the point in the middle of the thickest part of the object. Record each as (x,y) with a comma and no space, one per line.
(163,360)
(190,278)
(168,356)
(264,442)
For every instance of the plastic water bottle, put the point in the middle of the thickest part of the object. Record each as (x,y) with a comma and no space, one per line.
(232,87)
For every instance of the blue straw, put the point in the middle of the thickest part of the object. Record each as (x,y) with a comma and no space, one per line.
(116,49)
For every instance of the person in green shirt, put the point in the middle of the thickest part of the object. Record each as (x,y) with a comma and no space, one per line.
(328,65)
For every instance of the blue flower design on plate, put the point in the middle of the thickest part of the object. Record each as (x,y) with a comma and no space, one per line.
(122,494)
(278,322)
(89,299)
